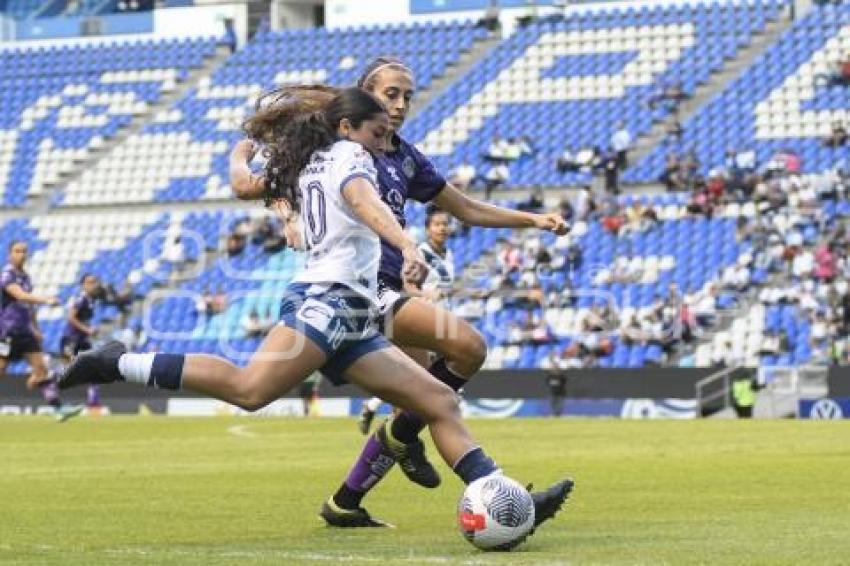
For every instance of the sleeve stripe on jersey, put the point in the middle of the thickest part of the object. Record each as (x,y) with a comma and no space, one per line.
(354,176)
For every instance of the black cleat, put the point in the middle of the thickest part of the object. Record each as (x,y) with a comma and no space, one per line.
(336,516)
(547,503)
(94,366)
(412,461)
(364,423)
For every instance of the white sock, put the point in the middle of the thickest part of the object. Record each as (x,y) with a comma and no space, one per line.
(136,368)
(374,404)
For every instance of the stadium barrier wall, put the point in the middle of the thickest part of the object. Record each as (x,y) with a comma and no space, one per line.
(626,393)
(75,26)
(192,21)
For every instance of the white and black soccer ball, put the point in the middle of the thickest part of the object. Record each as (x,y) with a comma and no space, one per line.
(495,513)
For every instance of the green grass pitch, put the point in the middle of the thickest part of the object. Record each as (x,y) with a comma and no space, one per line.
(155,490)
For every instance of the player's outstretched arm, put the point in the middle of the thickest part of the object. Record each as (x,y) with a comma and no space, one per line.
(246,184)
(363,199)
(479,213)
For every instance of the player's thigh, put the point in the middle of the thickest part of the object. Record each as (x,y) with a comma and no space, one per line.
(395,378)
(285,358)
(418,355)
(420,324)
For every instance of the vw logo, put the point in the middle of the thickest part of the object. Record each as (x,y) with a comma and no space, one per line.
(826,409)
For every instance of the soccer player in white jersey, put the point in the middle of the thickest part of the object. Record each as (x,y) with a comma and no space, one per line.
(436,288)
(321,164)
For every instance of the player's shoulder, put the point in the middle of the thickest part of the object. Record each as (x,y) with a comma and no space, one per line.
(347,149)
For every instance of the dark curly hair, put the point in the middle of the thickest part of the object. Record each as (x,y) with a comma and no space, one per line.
(293,122)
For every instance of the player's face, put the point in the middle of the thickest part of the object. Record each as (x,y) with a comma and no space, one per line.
(18,255)
(372,133)
(90,285)
(395,89)
(438,229)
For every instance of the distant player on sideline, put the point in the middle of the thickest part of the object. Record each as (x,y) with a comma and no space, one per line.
(317,163)
(78,332)
(20,335)
(436,288)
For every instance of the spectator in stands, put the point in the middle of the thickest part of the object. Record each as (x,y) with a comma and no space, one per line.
(838,74)
(611,171)
(826,263)
(219,302)
(621,142)
(585,205)
(632,332)
(509,257)
(490,20)
(588,158)
(565,207)
(838,136)
(229,39)
(612,219)
(463,176)
(705,307)
(254,326)
(567,162)
(675,131)
(276,241)
(535,202)
(498,150)
(672,177)
(235,244)
(496,176)
(262,228)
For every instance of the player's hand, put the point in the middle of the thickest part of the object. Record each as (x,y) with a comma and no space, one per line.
(415,268)
(291,226)
(39,337)
(552,222)
(245,150)
(94,331)
(51,301)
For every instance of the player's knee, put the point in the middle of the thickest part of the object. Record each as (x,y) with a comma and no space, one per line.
(444,404)
(247,395)
(469,352)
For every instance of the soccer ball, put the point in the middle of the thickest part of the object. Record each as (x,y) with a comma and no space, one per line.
(495,513)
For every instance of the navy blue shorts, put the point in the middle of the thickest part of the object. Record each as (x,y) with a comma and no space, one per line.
(340,321)
(70,346)
(15,346)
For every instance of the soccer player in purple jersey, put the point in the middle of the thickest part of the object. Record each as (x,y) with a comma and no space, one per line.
(405,173)
(78,332)
(318,161)
(20,335)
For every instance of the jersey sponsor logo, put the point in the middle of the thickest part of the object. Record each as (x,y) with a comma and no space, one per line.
(393,173)
(394,198)
(316,314)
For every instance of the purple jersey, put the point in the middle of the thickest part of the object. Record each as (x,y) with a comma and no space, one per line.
(403,174)
(84,305)
(15,316)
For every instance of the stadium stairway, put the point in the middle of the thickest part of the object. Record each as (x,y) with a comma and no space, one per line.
(41,203)
(480,50)
(705,92)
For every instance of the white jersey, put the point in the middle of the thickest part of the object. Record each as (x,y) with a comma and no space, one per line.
(441,274)
(341,249)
